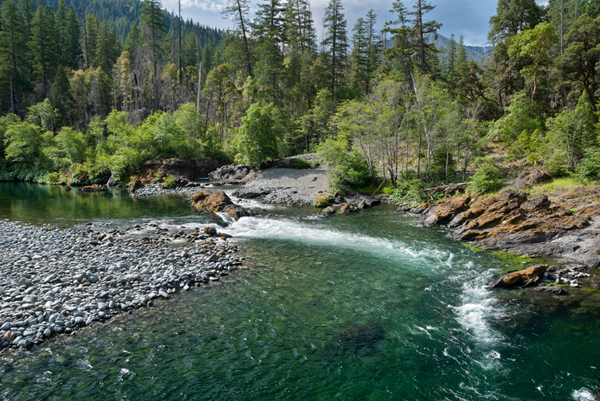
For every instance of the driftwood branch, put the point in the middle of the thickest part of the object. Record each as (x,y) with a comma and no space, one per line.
(446,188)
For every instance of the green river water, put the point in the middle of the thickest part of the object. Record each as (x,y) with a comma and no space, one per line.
(370,306)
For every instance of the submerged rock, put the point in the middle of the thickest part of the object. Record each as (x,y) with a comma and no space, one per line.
(522,278)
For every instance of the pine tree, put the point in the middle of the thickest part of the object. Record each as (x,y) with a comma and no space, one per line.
(426,51)
(61,22)
(71,47)
(359,58)
(154,23)
(44,46)
(238,12)
(189,50)
(403,52)
(299,31)
(27,11)
(133,42)
(335,42)
(90,35)
(107,47)
(513,16)
(14,61)
(61,96)
(451,55)
(461,53)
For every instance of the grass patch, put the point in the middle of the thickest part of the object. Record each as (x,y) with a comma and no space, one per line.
(562,183)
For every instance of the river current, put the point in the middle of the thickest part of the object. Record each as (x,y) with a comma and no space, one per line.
(370,306)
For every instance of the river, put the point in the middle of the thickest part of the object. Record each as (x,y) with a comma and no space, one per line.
(370,306)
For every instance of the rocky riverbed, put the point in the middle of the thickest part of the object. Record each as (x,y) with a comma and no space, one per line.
(57,281)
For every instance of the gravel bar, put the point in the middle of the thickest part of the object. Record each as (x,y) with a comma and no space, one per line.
(55,281)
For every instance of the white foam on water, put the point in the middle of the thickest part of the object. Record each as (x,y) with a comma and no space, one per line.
(315,234)
(583,394)
(477,308)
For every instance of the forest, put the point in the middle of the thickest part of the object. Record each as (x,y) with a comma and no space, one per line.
(106,88)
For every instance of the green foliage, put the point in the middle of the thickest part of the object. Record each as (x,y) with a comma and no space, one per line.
(256,141)
(300,164)
(522,115)
(488,178)
(23,144)
(573,132)
(169,182)
(323,200)
(44,116)
(590,167)
(346,169)
(410,191)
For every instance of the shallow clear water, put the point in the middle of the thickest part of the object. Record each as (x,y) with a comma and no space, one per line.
(364,307)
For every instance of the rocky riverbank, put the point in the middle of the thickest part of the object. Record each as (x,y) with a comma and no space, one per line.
(521,224)
(57,281)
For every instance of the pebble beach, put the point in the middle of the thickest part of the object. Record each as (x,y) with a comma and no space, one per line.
(54,282)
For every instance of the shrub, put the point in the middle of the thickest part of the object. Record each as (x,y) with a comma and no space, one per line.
(487,179)
(322,200)
(409,191)
(256,141)
(590,166)
(169,182)
(346,169)
(52,178)
(300,164)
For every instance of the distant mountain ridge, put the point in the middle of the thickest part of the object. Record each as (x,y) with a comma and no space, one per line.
(479,54)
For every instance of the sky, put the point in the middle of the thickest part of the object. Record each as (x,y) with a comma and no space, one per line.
(469,18)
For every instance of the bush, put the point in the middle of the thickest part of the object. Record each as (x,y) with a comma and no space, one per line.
(409,191)
(52,178)
(346,169)
(590,166)
(300,164)
(322,200)
(487,179)
(256,141)
(169,182)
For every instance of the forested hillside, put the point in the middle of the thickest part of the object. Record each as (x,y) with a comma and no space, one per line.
(407,112)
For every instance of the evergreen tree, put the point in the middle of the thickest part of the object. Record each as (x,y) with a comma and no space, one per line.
(298,27)
(426,51)
(335,42)
(61,21)
(27,11)
(359,57)
(71,47)
(513,16)
(451,55)
(107,47)
(154,23)
(61,96)
(461,53)
(268,31)
(208,60)
(133,42)
(189,50)
(238,12)
(400,57)
(44,46)
(14,61)
(90,36)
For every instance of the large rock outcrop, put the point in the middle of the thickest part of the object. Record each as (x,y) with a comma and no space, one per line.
(514,222)
(234,173)
(217,201)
